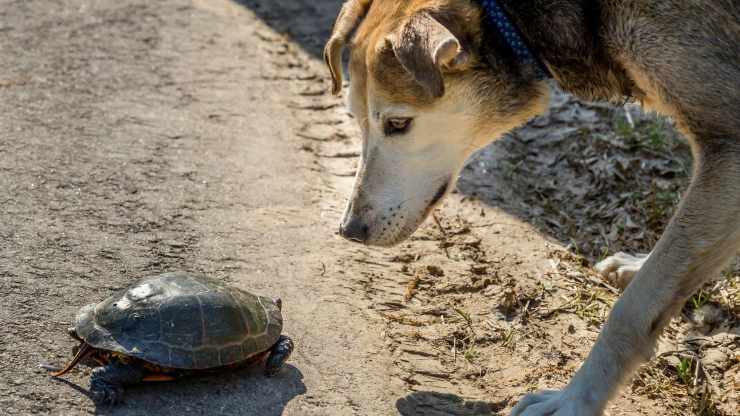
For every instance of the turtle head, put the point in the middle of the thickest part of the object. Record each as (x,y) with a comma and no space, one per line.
(278,302)
(72,331)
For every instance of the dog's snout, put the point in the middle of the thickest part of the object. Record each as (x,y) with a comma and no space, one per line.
(355,230)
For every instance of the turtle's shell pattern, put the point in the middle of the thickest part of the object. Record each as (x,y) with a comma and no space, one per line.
(181,320)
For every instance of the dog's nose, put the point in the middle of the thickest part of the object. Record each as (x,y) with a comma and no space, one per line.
(355,230)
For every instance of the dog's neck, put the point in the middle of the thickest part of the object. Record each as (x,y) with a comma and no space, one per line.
(568,37)
(497,18)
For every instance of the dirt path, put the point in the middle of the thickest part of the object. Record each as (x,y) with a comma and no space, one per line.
(138,137)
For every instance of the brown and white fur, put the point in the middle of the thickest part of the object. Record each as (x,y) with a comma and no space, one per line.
(431,84)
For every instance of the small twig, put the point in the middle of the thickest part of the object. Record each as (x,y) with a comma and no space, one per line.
(525,311)
(716,392)
(411,288)
(371,263)
(603,284)
(564,308)
(628,116)
(444,234)
(679,353)
(454,349)
(439,224)
(697,366)
(339,155)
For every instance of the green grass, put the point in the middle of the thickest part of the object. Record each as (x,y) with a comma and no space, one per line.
(649,135)
(623,128)
(465,316)
(510,339)
(656,137)
(471,354)
(685,370)
(699,299)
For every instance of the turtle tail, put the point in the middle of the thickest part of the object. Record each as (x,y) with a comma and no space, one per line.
(84,351)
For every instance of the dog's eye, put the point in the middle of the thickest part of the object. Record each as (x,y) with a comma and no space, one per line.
(396,126)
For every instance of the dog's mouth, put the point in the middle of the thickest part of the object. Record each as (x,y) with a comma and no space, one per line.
(404,230)
(409,228)
(439,194)
(395,227)
(436,198)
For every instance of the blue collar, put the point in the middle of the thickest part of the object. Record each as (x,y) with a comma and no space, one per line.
(498,17)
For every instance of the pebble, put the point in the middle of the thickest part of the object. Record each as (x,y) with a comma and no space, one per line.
(708,315)
(715,358)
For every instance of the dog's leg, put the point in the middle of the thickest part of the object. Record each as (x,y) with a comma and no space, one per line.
(701,240)
(620,268)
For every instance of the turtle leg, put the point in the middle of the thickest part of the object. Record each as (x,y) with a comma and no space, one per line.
(107,382)
(279,354)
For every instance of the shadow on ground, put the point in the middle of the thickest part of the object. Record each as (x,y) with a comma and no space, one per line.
(600,179)
(306,22)
(425,403)
(245,392)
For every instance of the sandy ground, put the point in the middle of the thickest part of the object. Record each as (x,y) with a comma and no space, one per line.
(141,137)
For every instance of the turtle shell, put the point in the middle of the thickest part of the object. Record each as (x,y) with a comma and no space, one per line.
(182,320)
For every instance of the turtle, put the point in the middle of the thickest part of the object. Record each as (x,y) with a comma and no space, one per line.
(174,325)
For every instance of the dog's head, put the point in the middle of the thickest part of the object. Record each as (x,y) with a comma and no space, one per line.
(425,99)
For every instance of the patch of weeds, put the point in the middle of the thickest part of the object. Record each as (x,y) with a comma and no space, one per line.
(656,136)
(510,339)
(699,299)
(573,247)
(660,205)
(471,354)
(464,338)
(467,318)
(647,134)
(606,250)
(675,388)
(623,128)
(590,305)
(685,370)
(724,294)
(654,382)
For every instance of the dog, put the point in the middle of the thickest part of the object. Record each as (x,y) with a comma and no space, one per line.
(432,81)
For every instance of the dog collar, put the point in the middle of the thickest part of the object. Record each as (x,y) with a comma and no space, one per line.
(498,17)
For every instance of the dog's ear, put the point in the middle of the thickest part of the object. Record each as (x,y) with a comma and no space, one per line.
(426,48)
(349,18)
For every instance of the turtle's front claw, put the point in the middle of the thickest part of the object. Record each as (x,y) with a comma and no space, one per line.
(106,383)
(279,354)
(103,391)
(50,368)
(106,394)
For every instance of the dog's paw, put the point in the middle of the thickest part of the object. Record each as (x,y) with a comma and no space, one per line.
(554,403)
(620,268)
